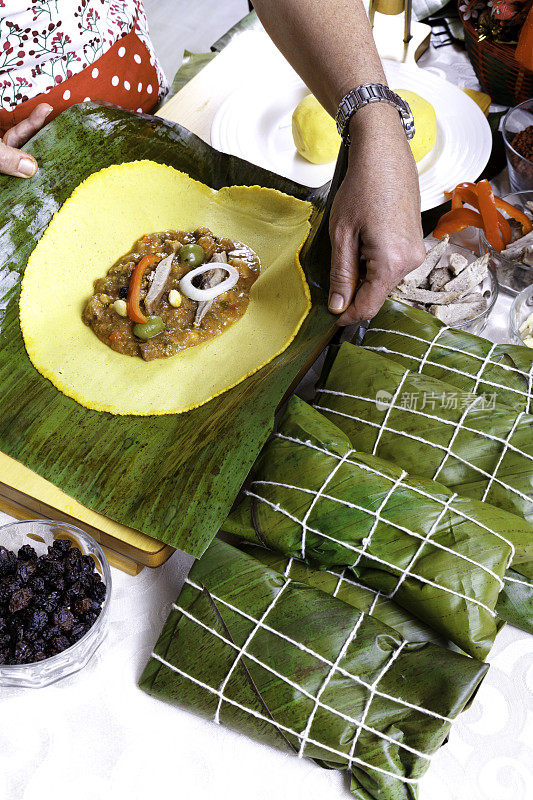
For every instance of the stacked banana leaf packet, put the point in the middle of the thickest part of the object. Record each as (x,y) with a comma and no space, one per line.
(383,537)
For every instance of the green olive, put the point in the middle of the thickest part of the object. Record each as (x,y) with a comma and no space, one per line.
(192,254)
(147,330)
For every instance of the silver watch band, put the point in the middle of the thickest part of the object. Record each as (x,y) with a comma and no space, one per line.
(372,93)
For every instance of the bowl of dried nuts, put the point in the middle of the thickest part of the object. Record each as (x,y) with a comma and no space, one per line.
(55,587)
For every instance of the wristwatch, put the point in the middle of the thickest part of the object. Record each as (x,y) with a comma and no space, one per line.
(372,93)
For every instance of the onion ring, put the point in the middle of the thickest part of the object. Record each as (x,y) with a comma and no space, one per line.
(194,293)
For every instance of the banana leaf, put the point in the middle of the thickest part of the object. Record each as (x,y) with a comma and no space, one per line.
(515,602)
(424,344)
(172,477)
(298,669)
(344,586)
(478,448)
(440,556)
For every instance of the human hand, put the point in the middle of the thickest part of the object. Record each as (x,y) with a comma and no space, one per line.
(375,214)
(14,161)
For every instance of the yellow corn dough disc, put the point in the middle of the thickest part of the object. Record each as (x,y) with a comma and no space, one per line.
(425,124)
(314,132)
(99,223)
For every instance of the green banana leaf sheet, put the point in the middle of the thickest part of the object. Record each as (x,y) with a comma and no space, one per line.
(477,447)
(172,477)
(292,666)
(424,344)
(343,585)
(440,556)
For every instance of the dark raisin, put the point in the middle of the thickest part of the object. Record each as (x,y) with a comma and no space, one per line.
(86,565)
(36,584)
(73,556)
(17,631)
(60,546)
(98,592)
(27,553)
(64,618)
(20,599)
(36,620)
(91,616)
(50,568)
(82,606)
(25,570)
(49,632)
(39,653)
(58,644)
(77,631)
(50,602)
(22,653)
(7,588)
(8,562)
(123,292)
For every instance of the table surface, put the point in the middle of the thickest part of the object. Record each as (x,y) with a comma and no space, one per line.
(95,734)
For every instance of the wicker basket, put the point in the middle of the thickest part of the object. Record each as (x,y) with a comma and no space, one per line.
(500,75)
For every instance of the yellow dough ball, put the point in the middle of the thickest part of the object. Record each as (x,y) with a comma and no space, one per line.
(314,132)
(425,124)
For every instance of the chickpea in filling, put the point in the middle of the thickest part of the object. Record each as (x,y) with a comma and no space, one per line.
(140,309)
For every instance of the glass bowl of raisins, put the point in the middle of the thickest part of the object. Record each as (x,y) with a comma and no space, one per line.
(55,587)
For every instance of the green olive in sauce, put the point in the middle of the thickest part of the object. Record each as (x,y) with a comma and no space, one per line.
(147,330)
(192,254)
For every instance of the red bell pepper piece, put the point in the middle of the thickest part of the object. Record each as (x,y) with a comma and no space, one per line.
(515,213)
(457,220)
(134,289)
(489,214)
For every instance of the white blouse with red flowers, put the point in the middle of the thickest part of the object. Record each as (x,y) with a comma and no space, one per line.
(46,42)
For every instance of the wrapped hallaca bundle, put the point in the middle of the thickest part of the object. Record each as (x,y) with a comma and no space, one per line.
(515,602)
(343,585)
(477,448)
(249,648)
(440,556)
(424,344)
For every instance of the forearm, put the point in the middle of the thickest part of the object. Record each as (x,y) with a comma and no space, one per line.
(329,43)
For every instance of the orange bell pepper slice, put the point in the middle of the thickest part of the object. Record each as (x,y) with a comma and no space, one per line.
(515,213)
(467,193)
(134,289)
(489,215)
(457,220)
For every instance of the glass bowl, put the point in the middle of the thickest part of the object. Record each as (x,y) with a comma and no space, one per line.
(520,167)
(40,533)
(512,276)
(488,288)
(521,308)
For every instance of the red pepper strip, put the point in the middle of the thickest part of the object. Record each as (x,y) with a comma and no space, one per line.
(515,213)
(505,229)
(464,194)
(489,214)
(134,289)
(457,220)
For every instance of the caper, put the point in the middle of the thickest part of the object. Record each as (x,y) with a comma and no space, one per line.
(192,254)
(147,330)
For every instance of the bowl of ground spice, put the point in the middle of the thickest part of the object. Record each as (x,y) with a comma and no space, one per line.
(518,137)
(55,586)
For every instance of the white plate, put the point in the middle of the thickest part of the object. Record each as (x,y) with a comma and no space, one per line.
(254,122)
